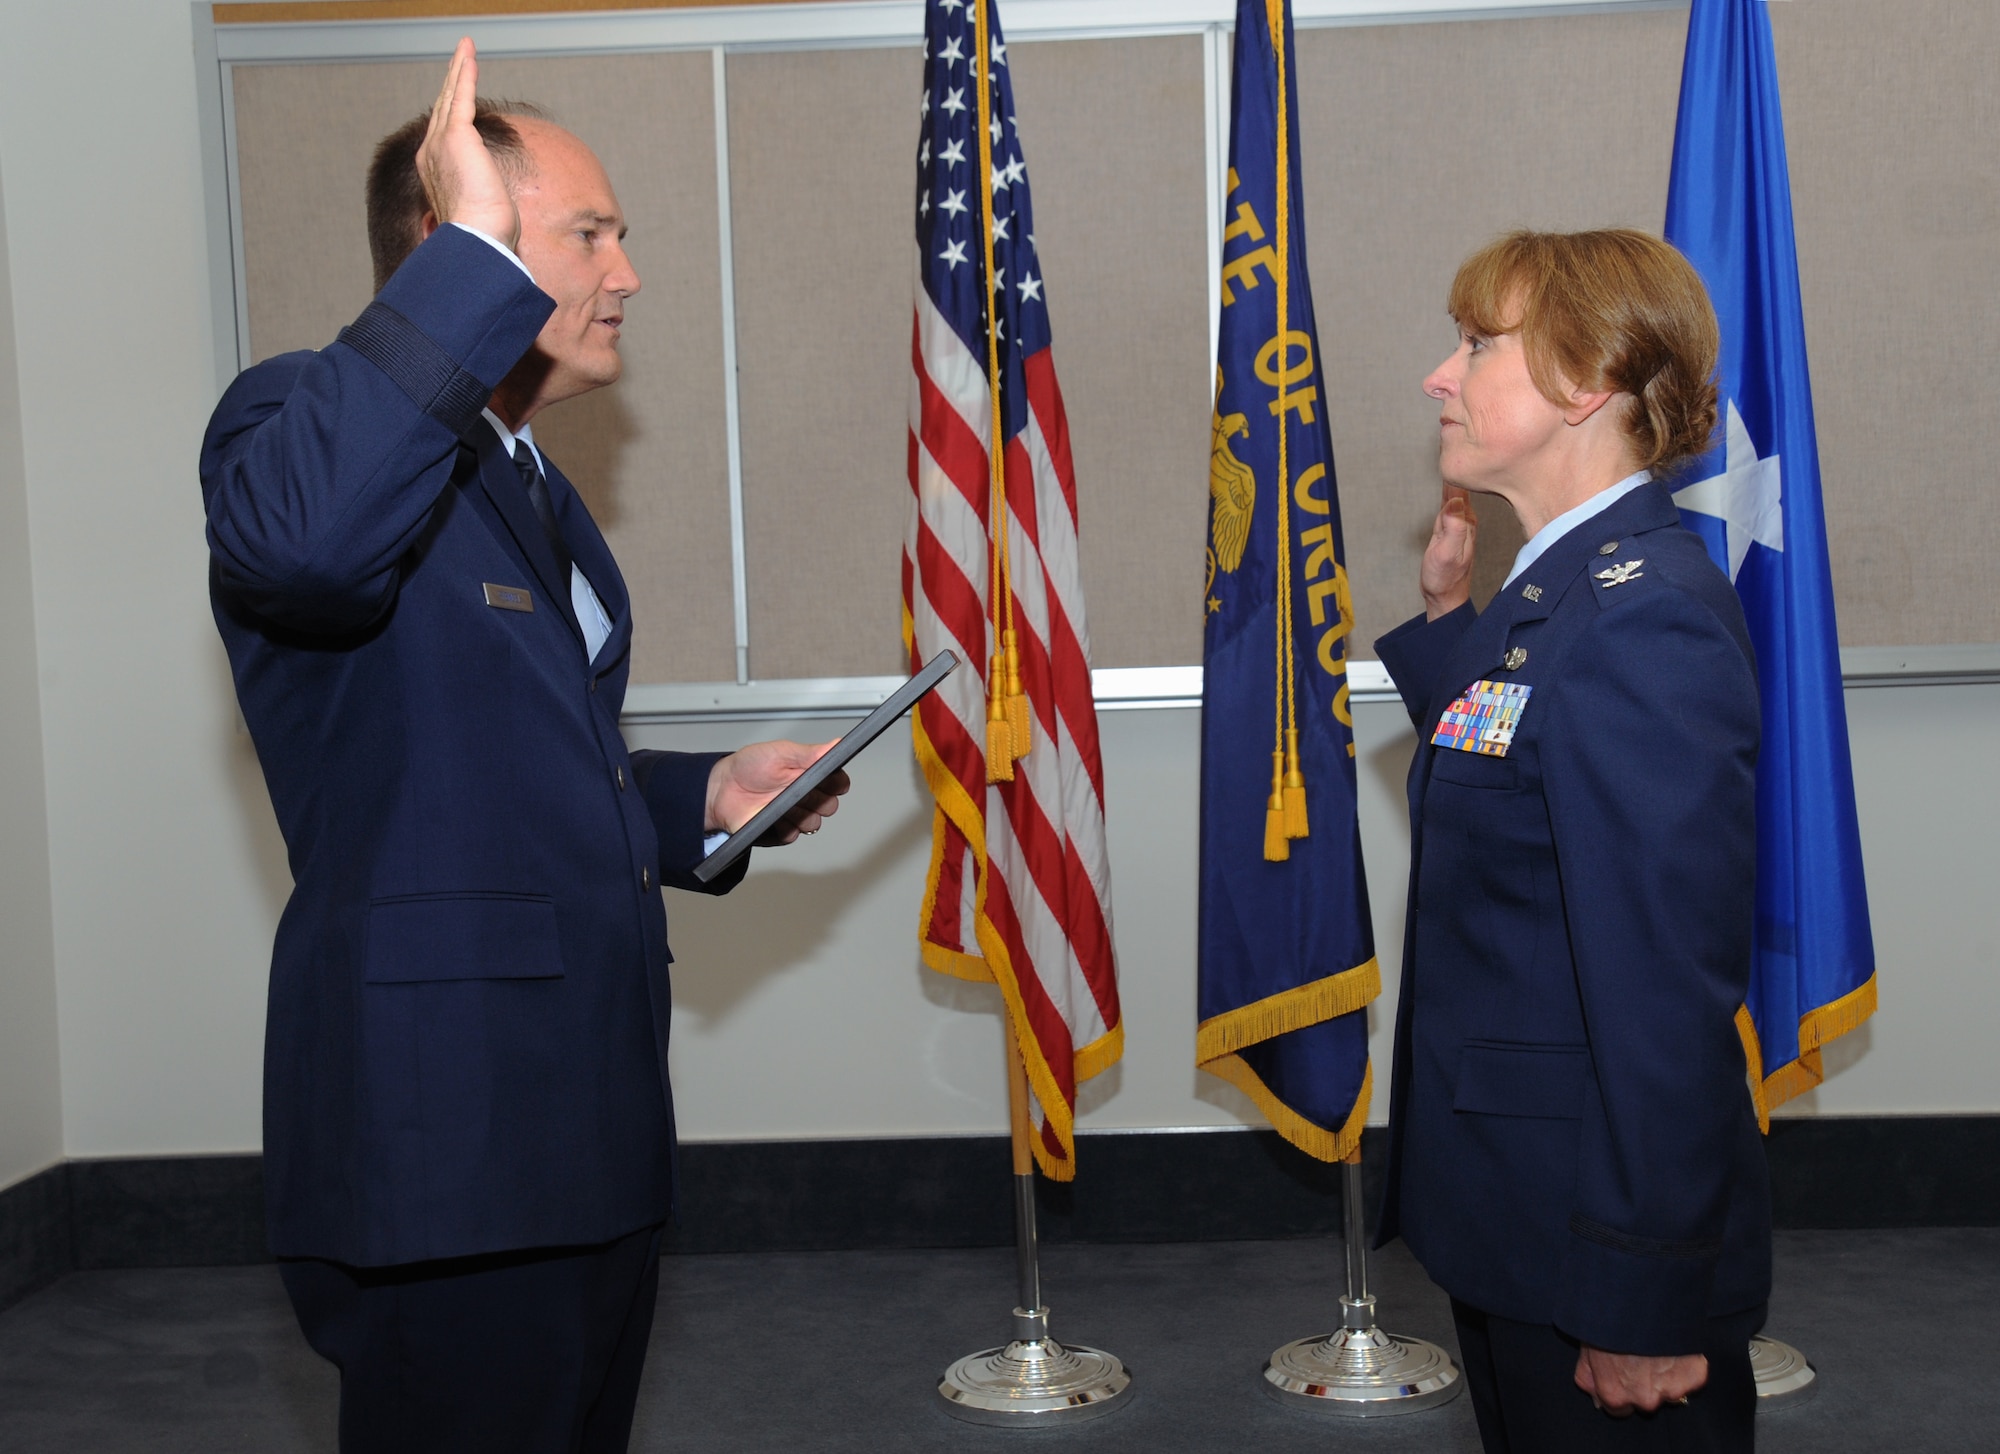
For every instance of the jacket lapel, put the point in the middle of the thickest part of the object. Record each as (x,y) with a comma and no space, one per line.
(502,484)
(1478,652)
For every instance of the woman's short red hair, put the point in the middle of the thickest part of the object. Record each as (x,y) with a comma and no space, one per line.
(1611,309)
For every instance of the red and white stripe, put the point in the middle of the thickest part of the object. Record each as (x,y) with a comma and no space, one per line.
(1020,886)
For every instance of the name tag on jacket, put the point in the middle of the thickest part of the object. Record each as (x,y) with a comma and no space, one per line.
(508,598)
(1483,719)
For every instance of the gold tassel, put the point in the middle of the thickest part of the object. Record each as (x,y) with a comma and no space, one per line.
(1276,848)
(1295,788)
(999,734)
(999,746)
(1019,720)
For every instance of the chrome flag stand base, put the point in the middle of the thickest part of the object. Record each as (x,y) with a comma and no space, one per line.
(1784,1378)
(1034,1382)
(1359,1371)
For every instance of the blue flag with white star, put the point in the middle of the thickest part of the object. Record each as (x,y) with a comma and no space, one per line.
(1756,501)
(1287,954)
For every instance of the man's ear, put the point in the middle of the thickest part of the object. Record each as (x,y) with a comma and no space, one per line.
(1583,404)
(428,225)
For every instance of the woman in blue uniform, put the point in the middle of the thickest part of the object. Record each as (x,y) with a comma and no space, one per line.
(1575,1156)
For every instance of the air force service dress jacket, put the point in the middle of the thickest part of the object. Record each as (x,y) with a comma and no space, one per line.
(467,1039)
(1572,1138)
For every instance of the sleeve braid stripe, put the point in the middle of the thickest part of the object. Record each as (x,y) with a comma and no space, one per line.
(416,364)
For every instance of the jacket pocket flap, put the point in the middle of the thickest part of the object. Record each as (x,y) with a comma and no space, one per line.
(1541,1081)
(1473,769)
(417,937)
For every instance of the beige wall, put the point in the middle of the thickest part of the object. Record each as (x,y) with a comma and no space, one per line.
(802,1010)
(164,873)
(30,1073)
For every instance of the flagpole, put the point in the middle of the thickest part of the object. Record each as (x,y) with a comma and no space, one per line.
(1358,1370)
(1033,1382)
(1027,1244)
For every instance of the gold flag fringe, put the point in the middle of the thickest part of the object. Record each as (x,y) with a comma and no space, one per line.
(993,964)
(1288,1010)
(1817,1029)
(1315,1140)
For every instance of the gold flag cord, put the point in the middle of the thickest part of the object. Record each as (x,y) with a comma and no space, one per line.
(1285,811)
(1008,731)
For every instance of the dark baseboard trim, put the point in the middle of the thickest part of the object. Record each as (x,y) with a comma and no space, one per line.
(168,1211)
(1885,1171)
(760,1196)
(35,1222)
(153,1211)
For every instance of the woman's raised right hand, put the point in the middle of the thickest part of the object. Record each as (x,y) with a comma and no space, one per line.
(1446,574)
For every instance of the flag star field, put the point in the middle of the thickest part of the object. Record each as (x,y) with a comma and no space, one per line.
(950,250)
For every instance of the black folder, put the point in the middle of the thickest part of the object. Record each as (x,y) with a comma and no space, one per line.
(836,757)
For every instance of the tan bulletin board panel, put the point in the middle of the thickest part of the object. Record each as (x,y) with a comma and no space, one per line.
(824,216)
(650,455)
(1893,128)
(1419,142)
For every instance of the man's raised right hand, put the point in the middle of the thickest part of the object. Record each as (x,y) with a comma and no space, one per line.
(461,179)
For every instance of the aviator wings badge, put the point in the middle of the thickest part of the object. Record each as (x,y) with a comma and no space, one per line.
(1619,574)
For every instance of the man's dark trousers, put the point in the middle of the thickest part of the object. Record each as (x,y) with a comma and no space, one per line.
(1522,1378)
(535,1352)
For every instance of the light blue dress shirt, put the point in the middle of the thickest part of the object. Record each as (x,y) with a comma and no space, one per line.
(1557,528)
(582,599)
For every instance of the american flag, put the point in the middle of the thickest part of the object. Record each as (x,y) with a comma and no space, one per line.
(1020,886)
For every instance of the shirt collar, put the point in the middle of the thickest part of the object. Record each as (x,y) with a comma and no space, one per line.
(526,434)
(1557,528)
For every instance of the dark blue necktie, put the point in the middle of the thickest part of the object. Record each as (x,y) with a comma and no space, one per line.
(545,510)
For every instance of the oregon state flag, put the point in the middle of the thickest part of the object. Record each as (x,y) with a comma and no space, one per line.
(1756,501)
(1287,956)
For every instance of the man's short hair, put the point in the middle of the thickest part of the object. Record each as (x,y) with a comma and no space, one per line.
(396,199)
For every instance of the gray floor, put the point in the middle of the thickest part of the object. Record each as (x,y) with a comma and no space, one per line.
(1902,1326)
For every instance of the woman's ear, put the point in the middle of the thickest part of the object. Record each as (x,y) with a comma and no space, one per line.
(1584,403)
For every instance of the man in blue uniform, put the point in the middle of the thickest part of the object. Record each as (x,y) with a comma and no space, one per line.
(468,1126)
